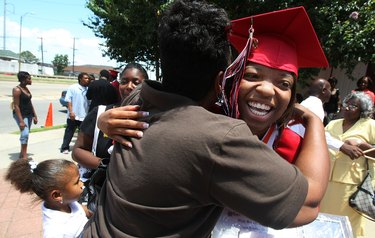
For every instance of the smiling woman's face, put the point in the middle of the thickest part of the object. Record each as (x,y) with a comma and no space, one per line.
(352,110)
(264,96)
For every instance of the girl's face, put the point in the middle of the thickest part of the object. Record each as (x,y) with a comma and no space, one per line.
(352,109)
(73,187)
(264,96)
(129,81)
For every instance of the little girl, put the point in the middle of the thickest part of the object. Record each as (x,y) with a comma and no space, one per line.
(55,182)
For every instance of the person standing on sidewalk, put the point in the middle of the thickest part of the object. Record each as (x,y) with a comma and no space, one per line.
(23,110)
(77,109)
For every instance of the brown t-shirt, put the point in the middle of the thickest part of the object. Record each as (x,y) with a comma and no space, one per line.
(190,164)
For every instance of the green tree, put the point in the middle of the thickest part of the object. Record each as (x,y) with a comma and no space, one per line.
(60,62)
(346,28)
(129,27)
(28,57)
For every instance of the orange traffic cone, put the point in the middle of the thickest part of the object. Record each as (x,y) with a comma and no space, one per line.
(49,118)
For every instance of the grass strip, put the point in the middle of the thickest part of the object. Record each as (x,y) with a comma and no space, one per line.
(40,129)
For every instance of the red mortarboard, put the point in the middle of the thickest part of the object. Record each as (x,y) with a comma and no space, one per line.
(113,73)
(286,40)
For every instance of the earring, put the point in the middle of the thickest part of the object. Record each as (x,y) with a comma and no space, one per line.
(220,100)
(61,201)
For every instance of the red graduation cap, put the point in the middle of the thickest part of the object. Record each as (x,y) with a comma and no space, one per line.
(286,40)
(113,73)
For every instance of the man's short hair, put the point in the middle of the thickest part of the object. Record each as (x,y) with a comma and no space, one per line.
(80,76)
(193,47)
(105,74)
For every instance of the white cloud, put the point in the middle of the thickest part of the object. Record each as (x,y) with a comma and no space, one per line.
(55,41)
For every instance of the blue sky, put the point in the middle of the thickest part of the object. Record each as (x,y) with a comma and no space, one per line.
(57,22)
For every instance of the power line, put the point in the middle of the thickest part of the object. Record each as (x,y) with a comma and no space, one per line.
(57,3)
(54,20)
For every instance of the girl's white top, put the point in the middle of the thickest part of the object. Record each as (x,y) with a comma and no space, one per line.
(58,224)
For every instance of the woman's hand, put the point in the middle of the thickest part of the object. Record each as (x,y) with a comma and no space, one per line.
(353,151)
(35,119)
(121,122)
(22,125)
(302,115)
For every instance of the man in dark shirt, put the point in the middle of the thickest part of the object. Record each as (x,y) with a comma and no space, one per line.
(98,91)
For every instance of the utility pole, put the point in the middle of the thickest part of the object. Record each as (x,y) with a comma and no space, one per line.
(74,50)
(41,49)
(4,27)
(20,46)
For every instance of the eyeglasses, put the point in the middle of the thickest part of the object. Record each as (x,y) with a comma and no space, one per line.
(349,107)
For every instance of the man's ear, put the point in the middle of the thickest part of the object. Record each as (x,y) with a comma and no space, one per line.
(56,196)
(218,80)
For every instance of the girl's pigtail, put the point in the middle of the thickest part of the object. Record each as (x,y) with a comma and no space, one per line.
(20,174)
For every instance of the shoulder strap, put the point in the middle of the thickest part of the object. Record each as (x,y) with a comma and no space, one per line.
(101,109)
(19,88)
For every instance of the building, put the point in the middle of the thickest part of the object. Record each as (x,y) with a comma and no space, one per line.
(90,69)
(9,64)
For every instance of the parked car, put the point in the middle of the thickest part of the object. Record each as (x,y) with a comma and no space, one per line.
(62,99)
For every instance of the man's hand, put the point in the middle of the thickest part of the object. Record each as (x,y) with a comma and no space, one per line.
(72,116)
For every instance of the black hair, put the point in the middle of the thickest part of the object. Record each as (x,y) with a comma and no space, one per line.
(105,73)
(332,80)
(368,79)
(80,76)
(23,76)
(193,47)
(134,65)
(45,177)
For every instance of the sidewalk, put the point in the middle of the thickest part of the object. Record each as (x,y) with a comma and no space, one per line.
(20,216)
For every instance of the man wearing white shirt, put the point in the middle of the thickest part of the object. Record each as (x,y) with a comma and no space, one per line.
(77,109)
(320,92)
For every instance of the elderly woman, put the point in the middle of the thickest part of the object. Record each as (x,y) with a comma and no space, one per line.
(356,128)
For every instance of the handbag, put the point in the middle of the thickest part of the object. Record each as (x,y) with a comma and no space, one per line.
(363,199)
